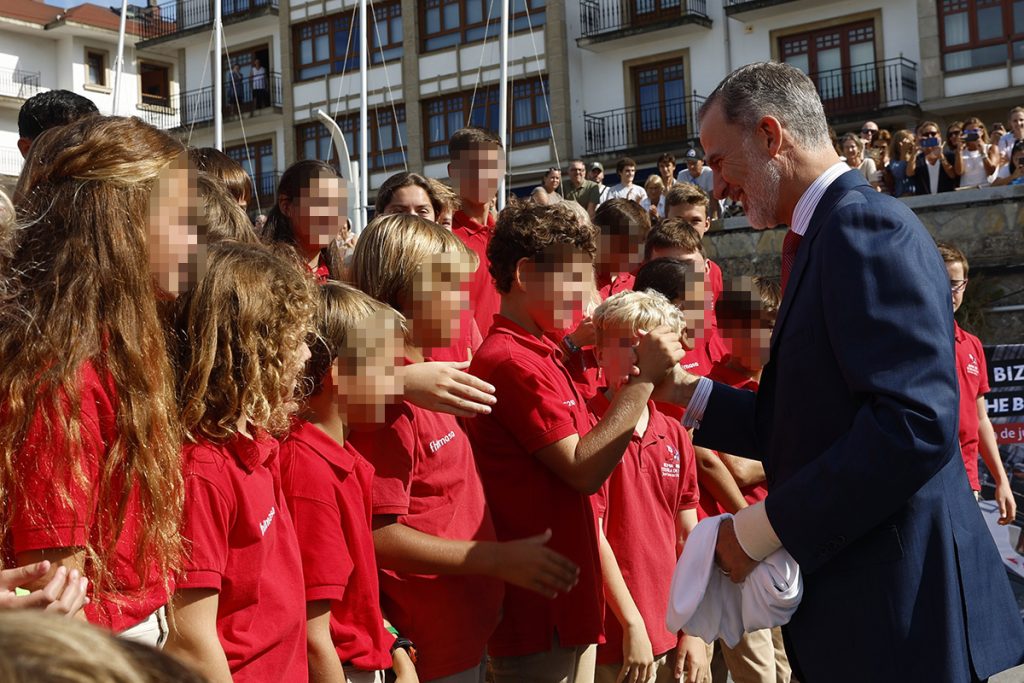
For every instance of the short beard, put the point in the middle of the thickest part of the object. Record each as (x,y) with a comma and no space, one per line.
(761,191)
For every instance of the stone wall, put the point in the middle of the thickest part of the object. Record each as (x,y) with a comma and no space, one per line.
(987,224)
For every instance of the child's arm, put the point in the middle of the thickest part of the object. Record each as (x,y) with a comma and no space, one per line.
(401,663)
(745,471)
(526,563)
(324,665)
(192,637)
(637,653)
(715,477)
(994,463)
(446,388)
(585,463)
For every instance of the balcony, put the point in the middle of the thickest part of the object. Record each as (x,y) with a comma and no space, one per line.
(19,85)
(657,127)
(877,89)
(183,17)
(195,107)
(10,161)
(607,21)
(264,191)
(749,10)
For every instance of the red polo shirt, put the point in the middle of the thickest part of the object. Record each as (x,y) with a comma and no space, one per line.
(640,502)
(425,474)
(623,282)
(973,375)
(739,380)
(328,489)
(484,300)
(538,405)
(241,543)
(41,519)
(466,343)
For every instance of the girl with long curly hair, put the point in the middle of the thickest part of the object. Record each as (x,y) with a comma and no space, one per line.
(239,611)
(90,468)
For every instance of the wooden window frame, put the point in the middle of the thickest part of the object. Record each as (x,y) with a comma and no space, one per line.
(349,123)
(103,55)
(380,22)
(467,33)
(1006,39)
(165,102)
(332,24)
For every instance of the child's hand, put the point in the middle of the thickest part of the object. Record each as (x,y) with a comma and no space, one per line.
(691,660)
(1006,502)
(445,388)
(529,564)
(584,335)
(64,594)
(405,670)
(657,353)
(637,655)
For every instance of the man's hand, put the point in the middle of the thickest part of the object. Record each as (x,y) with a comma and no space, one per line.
(64,594)
(677,388)
(529,564)
(691,660)
(657,353)
(445,388)
(1007,504)
(730,556)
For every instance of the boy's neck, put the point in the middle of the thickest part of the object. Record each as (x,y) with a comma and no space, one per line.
(478,212)
(323,412)
(514,308)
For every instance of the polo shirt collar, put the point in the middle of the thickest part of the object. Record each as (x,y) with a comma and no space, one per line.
(542,346)
(323,445)
(462,220)
(958,333)
(254,452)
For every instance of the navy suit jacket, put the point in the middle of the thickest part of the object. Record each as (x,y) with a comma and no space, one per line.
(856,422)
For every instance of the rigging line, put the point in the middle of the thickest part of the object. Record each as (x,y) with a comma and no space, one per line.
(391,97)
(241,119)
(543,87)
(480,67)
(341,88)
(195,103)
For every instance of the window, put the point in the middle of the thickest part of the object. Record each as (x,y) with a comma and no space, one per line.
(528,114)
(96,68)
(660,101)
(155,82)
(980,33)
(455,22)
(331,45)
(840,60)
(385,138)
(258,161)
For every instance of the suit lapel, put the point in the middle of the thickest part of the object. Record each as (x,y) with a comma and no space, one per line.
(836,190)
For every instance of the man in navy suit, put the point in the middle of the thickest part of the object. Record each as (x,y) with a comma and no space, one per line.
(856,417)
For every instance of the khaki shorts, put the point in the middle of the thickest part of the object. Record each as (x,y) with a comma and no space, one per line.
(557,665)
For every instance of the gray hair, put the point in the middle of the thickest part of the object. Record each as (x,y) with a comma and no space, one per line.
(773,89)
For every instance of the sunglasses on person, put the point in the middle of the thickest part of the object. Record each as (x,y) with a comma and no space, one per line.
(930,134)
(869,131)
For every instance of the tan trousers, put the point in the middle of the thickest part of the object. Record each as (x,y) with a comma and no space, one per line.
(753,660)
(475,675)
(557,665)
(664,670)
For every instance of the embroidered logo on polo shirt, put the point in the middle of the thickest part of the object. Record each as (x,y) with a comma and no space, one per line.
(571,403)
(436,445)
(670,468)
(972,365)
(689,366)
(265,524)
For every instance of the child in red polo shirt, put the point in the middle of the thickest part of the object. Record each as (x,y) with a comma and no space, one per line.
(442,571)
(690,204)
(476,164)
(646,505)
(328,485)
(539,458)
(976,432)
(238,610)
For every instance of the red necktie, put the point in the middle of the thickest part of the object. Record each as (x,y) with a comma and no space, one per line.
(789,248)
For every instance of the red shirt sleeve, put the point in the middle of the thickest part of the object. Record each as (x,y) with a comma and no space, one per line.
(983,387)
(531,406)
(600,499)
(689,494)
(206,525)
(390,450)
(326,562)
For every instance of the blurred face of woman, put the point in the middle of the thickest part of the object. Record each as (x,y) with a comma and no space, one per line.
(175,258)
(317,212)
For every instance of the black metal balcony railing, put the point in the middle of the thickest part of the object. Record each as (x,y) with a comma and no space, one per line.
(666,124)
(177,16)
(18,83)
(742,5)
(264,186)
(10,161)
(868,87)
(195,107)
(598,17)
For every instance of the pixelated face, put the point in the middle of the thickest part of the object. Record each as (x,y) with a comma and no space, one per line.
(749,348)
(577,173)
(743,171)
(477,172)
(318,212)
(957,283)
(365,377)
(559,287)
(620,253)
(411,199)
(616,354)
(627,174)
(666,169)
(696,299)
(697,216)
(176,258)
(439,295)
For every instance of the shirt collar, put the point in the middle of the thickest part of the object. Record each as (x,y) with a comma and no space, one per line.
(251,453)
(958,333)
(319,442)
(462,220)
(804,210)
(541,346)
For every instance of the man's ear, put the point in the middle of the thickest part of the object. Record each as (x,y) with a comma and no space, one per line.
(769,133)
